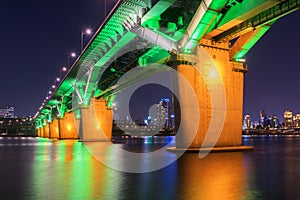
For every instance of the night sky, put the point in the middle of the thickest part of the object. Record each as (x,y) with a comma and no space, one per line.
(273,80)
(37,36)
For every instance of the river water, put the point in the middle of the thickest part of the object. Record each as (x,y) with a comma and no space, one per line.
(36,168)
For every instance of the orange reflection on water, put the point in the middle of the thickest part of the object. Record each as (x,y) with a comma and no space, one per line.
(217,176)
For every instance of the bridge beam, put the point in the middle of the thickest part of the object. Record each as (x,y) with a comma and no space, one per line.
(155,12)
(155,38)
(245,42)
(240,13)
(204,18)
(95,121)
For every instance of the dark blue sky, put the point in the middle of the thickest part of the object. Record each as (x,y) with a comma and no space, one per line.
(37,36)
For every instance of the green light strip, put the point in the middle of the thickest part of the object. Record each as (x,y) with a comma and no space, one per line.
(208,16)
(251,42)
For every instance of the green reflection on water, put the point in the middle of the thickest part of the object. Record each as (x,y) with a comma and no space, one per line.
(61,170)
(81,174)
(65,170)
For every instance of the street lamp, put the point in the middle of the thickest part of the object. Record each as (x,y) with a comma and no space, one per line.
(71,55)
(86,32)
(105,9)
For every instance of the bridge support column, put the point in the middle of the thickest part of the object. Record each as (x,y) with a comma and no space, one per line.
(96,121)
(42,131)
(54,128)
(67,127)
(233,80)
(47,130)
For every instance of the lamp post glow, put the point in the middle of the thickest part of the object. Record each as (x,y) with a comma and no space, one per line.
(86,32)
(71,55)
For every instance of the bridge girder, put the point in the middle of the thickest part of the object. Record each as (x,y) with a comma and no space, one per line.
(182,22)
(268,16)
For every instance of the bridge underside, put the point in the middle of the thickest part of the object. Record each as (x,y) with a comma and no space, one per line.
(157,29)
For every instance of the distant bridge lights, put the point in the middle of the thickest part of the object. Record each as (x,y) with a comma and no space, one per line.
(88,31)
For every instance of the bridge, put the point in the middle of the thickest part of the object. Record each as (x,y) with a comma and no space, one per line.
(211,34)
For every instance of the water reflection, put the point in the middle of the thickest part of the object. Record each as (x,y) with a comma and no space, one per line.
(53,169)
(63,170)
(217,176)
(275,163)
(135,155)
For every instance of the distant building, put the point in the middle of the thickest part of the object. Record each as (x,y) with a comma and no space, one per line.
(263,119)
(274,122)
(247,124)
(157,116)
(17,126)
(7,112)
(169,112)
(297,120)
(288,118)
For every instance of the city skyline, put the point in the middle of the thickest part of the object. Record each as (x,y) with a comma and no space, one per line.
(35,50)
(271,82)
(256,119)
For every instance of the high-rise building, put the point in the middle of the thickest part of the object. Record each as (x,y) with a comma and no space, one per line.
(288,118)
(157,116)
(274,122)
(247,122)
(169,109)
(263,119)
(7,112)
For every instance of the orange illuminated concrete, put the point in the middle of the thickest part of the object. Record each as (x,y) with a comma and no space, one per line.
(46,130)
(42,132)
(233,81)
(39,130)
(54,129)
(67,127)
(96,121)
